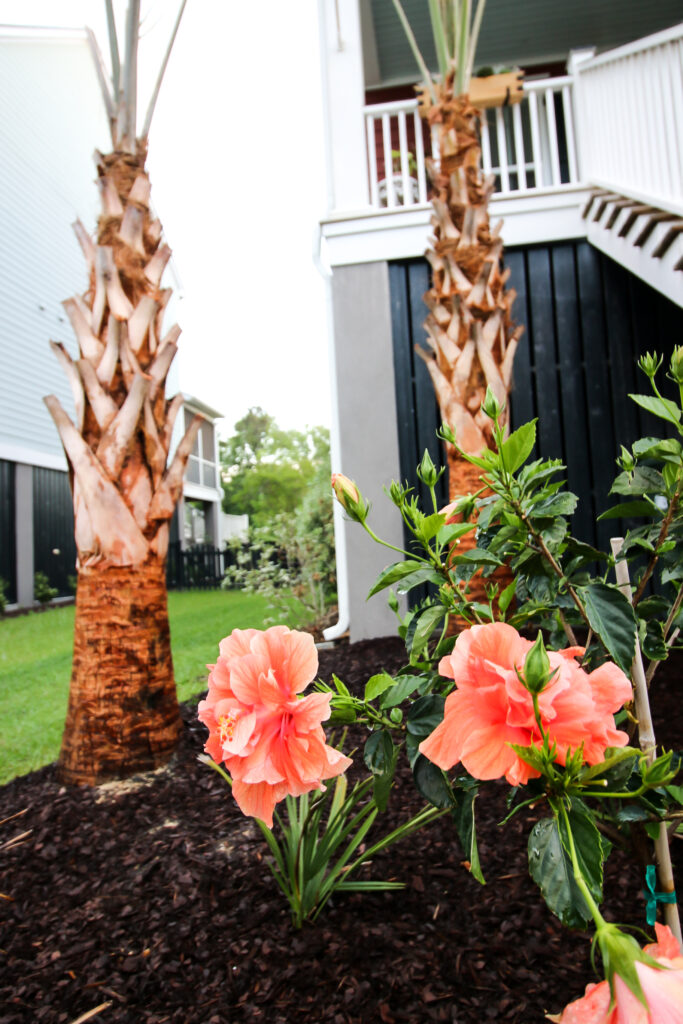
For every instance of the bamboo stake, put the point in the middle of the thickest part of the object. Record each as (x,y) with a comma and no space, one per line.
(646,739)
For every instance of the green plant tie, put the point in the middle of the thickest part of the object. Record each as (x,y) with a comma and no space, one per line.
(653,897)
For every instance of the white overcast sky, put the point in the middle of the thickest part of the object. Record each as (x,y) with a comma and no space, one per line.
(237,167)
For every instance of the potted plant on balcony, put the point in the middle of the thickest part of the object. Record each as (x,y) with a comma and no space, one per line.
(489,88)
(397,179)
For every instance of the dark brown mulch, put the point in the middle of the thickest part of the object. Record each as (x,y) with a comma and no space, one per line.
(155,900)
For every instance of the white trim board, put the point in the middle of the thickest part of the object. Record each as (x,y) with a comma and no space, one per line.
(529,219)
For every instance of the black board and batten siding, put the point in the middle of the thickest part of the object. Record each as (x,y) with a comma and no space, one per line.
(587,321)
(8,567)
(54,547)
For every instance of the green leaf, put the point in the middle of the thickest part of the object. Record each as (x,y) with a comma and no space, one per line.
(430,526)
(432,783)
(506,597)
(654,645)
(611,616)
(557,505)
(518,447)
(668,450)
(463,817)
(643,480)
(422,719)
(550,867)
(426,624)
(392,573)
(588,846)
(453,531)
(378,684)
(402,688)
(423,575)
(629,509)
(379,752)
(662,407)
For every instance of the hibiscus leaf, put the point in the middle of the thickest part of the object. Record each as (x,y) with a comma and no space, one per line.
(611,616)
(662,407)
(392,573)
(422,719)
(463,817)
(402,688)
(551,869)
(588,846)
(425,574)
(378,684)
(425,625)
(518,447)
(380,756)
(432,783)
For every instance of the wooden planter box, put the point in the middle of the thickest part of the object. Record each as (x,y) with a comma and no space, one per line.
(497,90)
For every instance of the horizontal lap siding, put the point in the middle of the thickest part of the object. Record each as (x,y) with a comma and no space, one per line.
(587,321)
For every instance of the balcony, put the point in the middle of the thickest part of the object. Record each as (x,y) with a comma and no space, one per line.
(612,128)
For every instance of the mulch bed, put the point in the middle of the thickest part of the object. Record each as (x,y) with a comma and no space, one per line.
(153,898)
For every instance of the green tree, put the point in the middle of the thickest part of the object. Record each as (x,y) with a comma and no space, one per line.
(266,470)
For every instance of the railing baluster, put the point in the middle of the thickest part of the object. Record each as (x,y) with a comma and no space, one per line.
(569,133)
(552,136)
(372,159)
(536,151)
(388,161)
(519,145)
(502,151)
(405,160)
(420,158)
(485,144)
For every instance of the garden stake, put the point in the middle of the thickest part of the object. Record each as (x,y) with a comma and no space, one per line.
(646,739)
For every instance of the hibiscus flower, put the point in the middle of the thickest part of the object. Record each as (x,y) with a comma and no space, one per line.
(663,990)
(490,708)
(270,739)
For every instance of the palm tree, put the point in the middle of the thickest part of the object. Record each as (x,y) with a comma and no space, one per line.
(123,714)
(469,326)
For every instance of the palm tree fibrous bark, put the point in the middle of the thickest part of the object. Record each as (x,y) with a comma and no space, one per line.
(123,714)
(470,331)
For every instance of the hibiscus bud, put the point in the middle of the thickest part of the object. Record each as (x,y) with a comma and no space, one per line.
(619,955)
(676,365)
(446,434)
(349,497)
(426,471)
(491,406)
(397,493)
(536,674)
(649,364)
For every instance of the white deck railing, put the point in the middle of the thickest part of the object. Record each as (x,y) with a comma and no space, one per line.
(630,118)
(528,146)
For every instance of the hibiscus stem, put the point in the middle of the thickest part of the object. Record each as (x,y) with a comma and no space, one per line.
(578,874)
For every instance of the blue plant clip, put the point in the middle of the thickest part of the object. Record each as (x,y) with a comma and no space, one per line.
(652,897)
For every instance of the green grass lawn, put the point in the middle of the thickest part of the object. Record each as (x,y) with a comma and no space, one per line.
(35,666)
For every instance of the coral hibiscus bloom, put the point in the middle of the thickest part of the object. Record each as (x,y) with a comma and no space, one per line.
(490,709)
(270,739)
(663,990)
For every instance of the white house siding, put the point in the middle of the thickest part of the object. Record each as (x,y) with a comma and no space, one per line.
(51,118)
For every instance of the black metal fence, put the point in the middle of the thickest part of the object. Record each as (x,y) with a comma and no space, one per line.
(203,567)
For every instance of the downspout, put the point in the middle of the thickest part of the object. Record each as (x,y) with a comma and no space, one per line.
(342,624)
(343,621)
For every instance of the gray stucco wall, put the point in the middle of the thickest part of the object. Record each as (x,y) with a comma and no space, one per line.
(364,368)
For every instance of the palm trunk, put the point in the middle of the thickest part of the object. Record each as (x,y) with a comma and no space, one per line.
(123,713)
(469,326)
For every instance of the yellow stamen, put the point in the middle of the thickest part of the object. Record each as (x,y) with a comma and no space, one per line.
(226,726)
